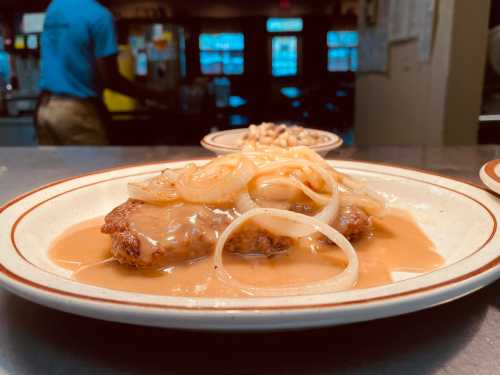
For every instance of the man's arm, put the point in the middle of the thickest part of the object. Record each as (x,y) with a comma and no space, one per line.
(113,80)
(105,48)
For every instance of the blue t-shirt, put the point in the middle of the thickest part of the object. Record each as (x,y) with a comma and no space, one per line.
(75,34)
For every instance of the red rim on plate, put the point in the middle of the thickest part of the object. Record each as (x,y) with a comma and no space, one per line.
(20,279)
(490,175)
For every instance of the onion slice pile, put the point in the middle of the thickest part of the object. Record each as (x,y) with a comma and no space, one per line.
(158,189)
(282,227)
(345,280)
(205,185)
(292,181)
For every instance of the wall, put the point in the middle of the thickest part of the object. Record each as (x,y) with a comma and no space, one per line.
(468,57)
(428,103)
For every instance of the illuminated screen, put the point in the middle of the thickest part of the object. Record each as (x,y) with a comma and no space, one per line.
(342,51)
(338,59)
(277,25)
(222,41)
(32,41)
(342,38)
(284,56)
(222,53)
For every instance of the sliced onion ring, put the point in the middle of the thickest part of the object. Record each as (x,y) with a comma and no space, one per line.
(159,189)
(318,198)
(216,190)
(282,227)
(345,280)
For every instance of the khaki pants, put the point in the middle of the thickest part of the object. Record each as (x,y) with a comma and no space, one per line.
(69,121)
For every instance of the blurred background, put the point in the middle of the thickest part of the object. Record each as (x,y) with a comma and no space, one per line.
(375,72)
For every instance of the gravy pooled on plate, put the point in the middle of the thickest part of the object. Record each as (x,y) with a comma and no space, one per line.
(272,222)
(396,244)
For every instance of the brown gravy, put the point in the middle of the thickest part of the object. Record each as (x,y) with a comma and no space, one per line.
(396,244)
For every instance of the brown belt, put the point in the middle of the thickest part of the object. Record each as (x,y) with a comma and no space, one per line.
(45,97)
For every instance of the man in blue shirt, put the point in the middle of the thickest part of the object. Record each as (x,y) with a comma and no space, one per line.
(78,60)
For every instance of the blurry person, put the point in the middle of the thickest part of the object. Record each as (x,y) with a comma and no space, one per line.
(5,71)
(78,60)
(5,76)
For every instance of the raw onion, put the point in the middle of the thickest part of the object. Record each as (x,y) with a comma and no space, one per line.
(206,185)
(345,280)
(281,227)
(159,189)
(318,198)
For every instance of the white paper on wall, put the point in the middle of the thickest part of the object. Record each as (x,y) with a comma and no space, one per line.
(410,19)
(398,20)
(373,39)
(424,27)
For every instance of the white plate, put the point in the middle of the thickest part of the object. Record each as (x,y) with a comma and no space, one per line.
(225,142)
(461,219)
(490,175)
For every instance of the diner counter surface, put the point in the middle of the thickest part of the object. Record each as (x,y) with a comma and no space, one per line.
(460,337)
